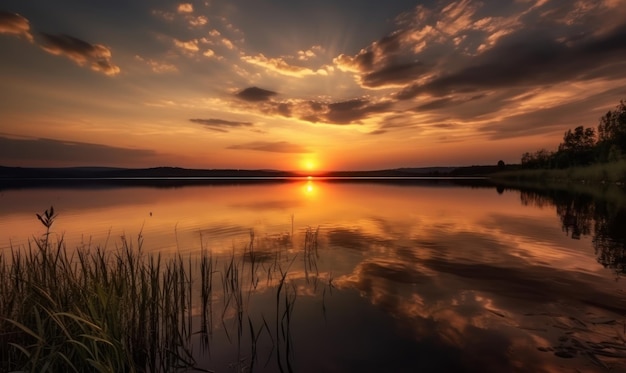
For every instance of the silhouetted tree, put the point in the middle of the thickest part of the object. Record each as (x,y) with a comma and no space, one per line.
(539,159)
(577,147)
(612,127)
(501,164)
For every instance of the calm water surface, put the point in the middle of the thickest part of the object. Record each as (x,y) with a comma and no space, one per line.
(419,277)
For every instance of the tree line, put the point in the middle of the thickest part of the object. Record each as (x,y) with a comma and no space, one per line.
(584,146)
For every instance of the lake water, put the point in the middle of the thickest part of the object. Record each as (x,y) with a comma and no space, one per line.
(379,276)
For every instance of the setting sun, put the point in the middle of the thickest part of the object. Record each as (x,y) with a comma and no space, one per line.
(309,165)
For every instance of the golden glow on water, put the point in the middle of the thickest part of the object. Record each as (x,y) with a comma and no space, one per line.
(309,189)
(222,215)
(468,263)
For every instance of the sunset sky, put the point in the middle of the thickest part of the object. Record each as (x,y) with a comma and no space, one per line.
(292,84)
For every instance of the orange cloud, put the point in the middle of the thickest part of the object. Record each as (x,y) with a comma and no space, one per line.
(279,65)
(15,24)
(306,55)
(272,147)
(352,111)
(228,44)
(198,21)
(185,8)
(97,56)
(158,67)
(187,46)
(221,125)
(209,53)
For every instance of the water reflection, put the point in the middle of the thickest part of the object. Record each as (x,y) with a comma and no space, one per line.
(583,215)
(426,276)
(309,188)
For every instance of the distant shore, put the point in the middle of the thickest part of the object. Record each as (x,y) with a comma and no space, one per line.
(599,173)
(176,172)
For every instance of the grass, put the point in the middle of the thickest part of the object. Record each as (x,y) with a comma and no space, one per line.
(97,310)
(92,311)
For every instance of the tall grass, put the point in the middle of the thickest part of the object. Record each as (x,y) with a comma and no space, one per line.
(93,310)
(97,310)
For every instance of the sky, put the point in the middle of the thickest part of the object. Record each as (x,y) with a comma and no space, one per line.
(302,85)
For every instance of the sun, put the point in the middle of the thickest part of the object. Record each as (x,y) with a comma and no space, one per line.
(308,165)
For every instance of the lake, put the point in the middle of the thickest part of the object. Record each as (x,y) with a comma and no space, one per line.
(368,276)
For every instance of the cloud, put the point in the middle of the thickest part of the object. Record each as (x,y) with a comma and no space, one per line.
(198,21)
(532,61)
(45,151)
(221,125)
(351,111)
(209,53)
(255,94)
(158,67)
(166,16)
(97,56)
(185,8)
(467,45)
(446,102)
(228,44)
(15,24)
(308,54)
(383,63)
(187,46)
(273,147)
(279,65)
(465,66)
(394,74)
(551,119)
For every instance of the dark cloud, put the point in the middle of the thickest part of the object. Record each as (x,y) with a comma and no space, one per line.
(352,111)
(221,125)
(436,104)
(394,74)
(284,109)
(446,102)
(15,24)
(445,125)
(47,151)
(316,106)
(97,56)
(255,94)
(347,105)
(569,114)
(272,147)
(467,59)
(379,60)
(338,112)
(533,61)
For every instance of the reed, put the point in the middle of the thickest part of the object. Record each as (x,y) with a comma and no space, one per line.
(92,310)
(117,310)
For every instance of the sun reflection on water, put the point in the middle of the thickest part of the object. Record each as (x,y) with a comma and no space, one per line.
(310,188)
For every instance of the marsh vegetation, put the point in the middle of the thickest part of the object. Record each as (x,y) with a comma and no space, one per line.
(120,310)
